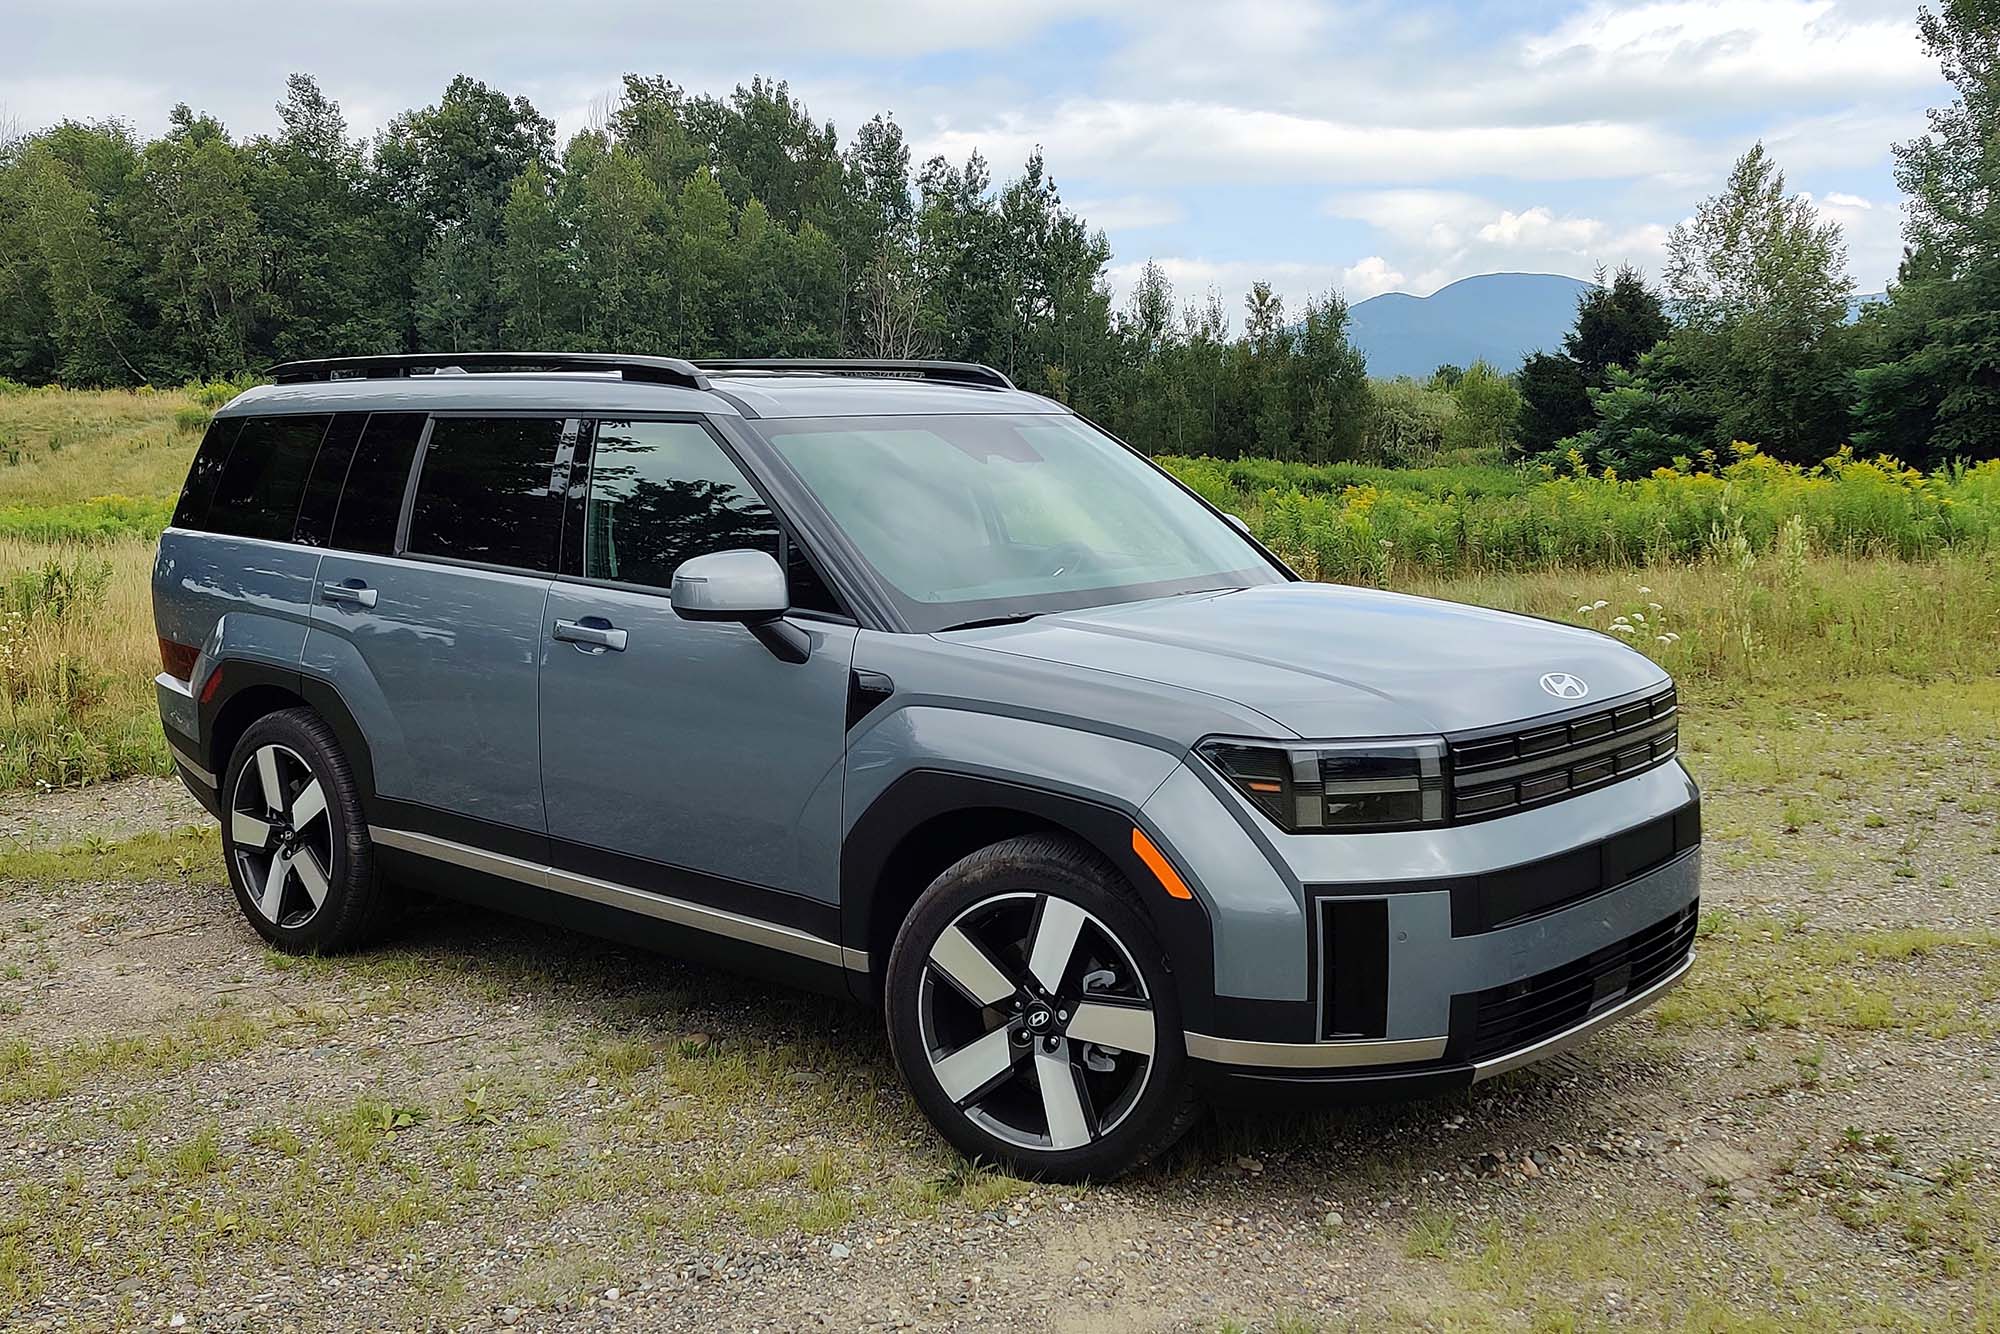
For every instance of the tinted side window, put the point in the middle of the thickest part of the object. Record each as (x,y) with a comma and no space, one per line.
(484,493)
(660,493)
(372,502)
(257,493)
(192,511)
(328,470)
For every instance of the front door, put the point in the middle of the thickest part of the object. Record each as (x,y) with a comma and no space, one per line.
(683,757)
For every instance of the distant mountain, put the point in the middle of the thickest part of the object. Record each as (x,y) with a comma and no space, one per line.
(1500,317)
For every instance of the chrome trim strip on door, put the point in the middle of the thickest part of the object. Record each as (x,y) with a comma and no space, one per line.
(700,917)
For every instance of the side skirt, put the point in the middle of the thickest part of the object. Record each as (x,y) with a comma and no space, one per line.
(616,912)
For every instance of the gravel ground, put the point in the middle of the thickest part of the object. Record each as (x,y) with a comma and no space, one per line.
(487,1125)
(108,811)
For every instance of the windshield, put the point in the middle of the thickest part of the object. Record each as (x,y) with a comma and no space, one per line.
(987,517)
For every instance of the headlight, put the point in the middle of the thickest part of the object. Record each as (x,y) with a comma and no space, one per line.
(1351,787)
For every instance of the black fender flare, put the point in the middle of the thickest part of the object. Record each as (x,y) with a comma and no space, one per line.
(241,675)
(923,795)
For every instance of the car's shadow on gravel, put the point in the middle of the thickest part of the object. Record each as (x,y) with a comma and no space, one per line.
(584,985)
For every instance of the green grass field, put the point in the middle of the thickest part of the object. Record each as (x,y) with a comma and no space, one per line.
(1751,578)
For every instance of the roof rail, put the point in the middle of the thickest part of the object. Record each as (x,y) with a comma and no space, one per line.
(651,370)
(949,372)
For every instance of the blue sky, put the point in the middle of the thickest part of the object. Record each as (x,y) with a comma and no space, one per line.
(1370,147)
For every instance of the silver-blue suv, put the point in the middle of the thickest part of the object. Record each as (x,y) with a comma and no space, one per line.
(889,679)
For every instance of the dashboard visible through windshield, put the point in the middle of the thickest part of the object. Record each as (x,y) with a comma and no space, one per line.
(979,518)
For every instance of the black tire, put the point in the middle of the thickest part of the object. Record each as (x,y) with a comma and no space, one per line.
(306,757)
(1132,1105)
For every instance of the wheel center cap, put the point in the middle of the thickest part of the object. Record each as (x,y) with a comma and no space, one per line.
(1040,1017)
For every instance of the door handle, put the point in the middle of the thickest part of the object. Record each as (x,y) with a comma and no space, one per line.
(593,634)
(351,591)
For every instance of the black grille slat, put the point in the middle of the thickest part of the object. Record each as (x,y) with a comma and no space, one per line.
(1498,774)
(1520,1014)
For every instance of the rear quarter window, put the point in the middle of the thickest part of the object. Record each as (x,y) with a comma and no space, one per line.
(192,511)
(258,488)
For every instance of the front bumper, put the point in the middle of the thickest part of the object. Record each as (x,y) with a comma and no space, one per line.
(1232,1081)
(1411,961)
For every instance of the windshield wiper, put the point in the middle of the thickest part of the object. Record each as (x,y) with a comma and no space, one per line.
(1013,618)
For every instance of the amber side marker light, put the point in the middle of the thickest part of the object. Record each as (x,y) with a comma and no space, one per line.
(1162,869)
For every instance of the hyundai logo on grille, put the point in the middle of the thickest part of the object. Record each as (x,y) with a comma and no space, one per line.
(1564,686)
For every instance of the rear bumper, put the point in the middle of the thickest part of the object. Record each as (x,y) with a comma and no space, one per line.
(180,722)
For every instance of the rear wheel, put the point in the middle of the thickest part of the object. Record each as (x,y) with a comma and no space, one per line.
(1033,1016)
(294,838)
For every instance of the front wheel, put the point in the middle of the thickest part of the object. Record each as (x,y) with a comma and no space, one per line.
(1033,1016)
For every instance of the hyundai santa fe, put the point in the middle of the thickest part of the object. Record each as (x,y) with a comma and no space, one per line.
(891,680)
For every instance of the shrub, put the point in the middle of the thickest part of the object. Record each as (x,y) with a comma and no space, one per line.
(1408,423)
(1372,525)
(190,421)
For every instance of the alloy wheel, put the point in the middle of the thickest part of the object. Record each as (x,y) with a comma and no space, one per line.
(281,836)
(1036,1021)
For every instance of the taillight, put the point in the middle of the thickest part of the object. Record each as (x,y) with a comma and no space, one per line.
(177,660)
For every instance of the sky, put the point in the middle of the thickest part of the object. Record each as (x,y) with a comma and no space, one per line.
(1367,147)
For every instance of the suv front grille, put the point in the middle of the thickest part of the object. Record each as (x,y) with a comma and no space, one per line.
(1499,772)
(1520,1014)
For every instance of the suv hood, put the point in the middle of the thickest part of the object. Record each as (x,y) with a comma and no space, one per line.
(1326,661)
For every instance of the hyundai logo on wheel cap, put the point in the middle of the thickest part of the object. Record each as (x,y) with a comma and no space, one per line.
(1564,686)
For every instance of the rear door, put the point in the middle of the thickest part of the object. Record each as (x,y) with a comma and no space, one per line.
(428,616)
(691,761)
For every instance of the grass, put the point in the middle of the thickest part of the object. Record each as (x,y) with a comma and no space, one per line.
(1761,972)
(1763,577)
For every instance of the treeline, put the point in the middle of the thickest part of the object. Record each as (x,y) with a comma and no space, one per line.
(697,225)
(688,225)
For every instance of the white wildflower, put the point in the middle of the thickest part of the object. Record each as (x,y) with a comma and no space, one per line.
(1654,606)
(1621,629)
(1585,610)
(1599,605)
(1644,589)
(1664,639)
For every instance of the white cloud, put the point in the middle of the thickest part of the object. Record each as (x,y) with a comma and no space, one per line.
(1767,45)
(1451,234)
(1839,199)
(1125,213)
(1201,142)
(1369,277)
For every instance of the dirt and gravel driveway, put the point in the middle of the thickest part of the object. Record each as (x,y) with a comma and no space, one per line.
(489,1125)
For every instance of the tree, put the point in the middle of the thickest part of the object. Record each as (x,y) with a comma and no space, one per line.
(1934,390)
(321,250)
(198,245)
(1329,383)
(1487,405)
(536,267)
(1759,284)
(1555,402)
(446,173)
(1615,323)
(92,332)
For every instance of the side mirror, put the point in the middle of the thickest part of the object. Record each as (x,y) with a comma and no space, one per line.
(747,587)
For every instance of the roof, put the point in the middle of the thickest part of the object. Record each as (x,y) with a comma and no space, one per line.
(739,390)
